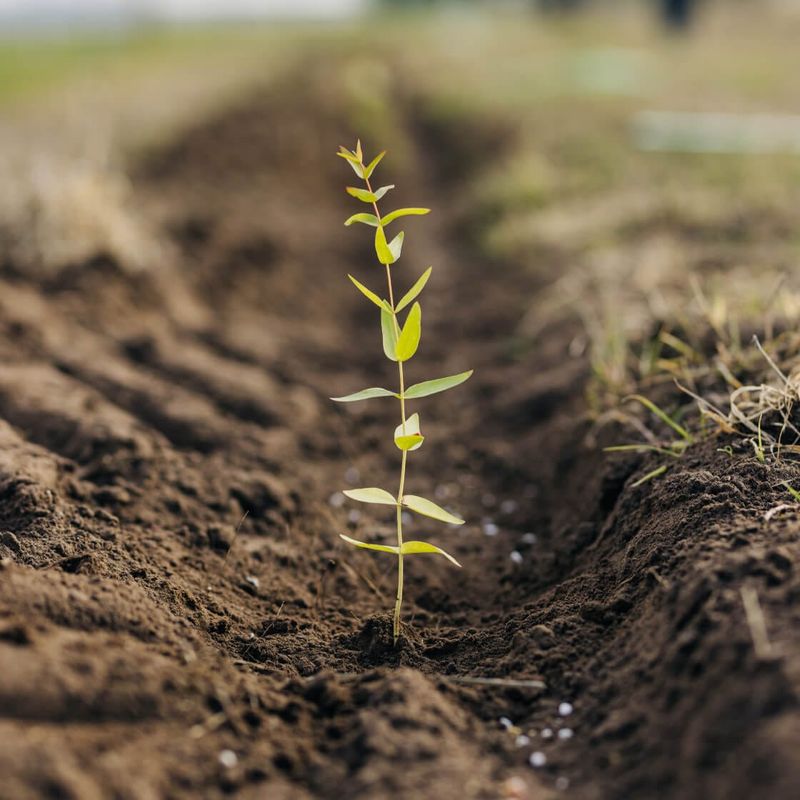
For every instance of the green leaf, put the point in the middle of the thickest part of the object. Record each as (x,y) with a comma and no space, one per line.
(404,212)
(408,436)
(364,394)
(410,548)
(429,509)
(379,193)
(362,194)
(389,332)
(663,416)
(367,219)
(353,162)
(358,152)
(427,388)
(385,255)
(415,289)
(370,168)
(408,341)
(384,548)
(396,246)
(370,295)
(371,495)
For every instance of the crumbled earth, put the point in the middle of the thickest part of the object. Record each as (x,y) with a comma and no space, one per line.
(178,616)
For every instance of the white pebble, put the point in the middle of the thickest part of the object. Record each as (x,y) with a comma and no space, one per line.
(228,759)
(336,499)
(565,709)
(516,556)
(253,581)
(522,740)
(441,492)
(352,475)
(407,518)
(529,538)
(562,783)
(490,529)
(354,515)
(565,733)
(508,506)
(537,759)
(547,733)
(506,723)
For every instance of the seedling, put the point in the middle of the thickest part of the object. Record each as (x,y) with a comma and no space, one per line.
(400,343)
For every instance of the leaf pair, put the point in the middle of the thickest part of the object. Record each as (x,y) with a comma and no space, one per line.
(356,160)
(401,345)
(371,219)
(388,252)
(424,389)
(407,549)
(366,196)
(427,508)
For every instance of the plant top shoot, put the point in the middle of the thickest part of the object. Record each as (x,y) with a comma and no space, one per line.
(400,342)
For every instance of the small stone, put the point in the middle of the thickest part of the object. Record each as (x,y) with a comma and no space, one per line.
(508,506)
(529,538)
(565,709)
(352,476)
(336,500)
(562,783)
(228,759)
(407,518)
(566,733)
(353,516)
(537,759)
(441,492)
(489,528)
(547,733)
(253,581)
(505,723)
(516,556)
(522,740)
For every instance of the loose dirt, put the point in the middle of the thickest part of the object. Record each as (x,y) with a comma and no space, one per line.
(178,617)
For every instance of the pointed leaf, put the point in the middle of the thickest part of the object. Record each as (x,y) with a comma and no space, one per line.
(362,194)
(385,255)
(359,153)
(353,162)
(414,290)
(371,495)
(429,509)
(379,193)
(384,548)
(389,332)
(364,394)
(427,388)
(404,212)
(367,219)
(408,341)
(396,246)
(410,548)
(370,295)
(370,168)
(408,436)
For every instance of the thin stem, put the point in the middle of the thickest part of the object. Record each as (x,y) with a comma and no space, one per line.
(399,600)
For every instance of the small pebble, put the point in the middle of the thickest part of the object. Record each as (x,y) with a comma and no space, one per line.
(253,581)
(516,556)
(547,733)
(565,709)
(562,783)
(407,518)
(508,506)
(352,475)
(490,529)
(522,740)
(441,492)
(336,499)
(529,538)
(565,733)
(537,759)
(228,759)
(353,516)
(505,723)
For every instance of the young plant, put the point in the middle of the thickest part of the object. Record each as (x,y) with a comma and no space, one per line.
(400,343)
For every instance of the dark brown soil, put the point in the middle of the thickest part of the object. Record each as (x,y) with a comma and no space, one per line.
(156,642)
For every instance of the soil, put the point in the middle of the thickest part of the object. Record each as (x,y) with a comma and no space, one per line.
(178,616)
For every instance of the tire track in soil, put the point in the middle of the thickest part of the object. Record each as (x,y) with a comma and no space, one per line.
(139,437)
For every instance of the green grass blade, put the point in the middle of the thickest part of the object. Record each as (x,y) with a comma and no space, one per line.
(364,394)
(370,295)
(430,509)
(404,212)
(410,548)
(389,333)
(384,548)
(427,388)
(366,219)
(663,416)
(371,494)
(408,341)
(414,291)
(650,475)
(643,448)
